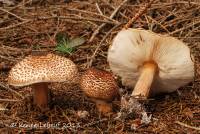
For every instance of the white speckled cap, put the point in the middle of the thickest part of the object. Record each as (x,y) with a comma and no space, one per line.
(48,68)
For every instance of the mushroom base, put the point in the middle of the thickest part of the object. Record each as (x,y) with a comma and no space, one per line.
(143,85)
(41,95)
(103,106)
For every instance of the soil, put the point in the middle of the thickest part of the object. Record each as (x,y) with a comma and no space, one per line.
(29,26)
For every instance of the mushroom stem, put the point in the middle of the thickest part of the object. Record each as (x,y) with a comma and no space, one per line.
(103,106)
(143,85)
(41,95)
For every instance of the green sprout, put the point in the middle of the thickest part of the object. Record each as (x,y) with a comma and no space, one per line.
(66,45)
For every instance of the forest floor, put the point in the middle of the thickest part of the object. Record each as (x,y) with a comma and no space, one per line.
(28,26)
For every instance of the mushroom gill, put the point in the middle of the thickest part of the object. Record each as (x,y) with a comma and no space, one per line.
(150,63)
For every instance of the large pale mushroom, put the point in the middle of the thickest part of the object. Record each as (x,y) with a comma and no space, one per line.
(38,71)
(150,63)
(101,87)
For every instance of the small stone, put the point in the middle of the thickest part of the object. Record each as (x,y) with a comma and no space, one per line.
(83,114)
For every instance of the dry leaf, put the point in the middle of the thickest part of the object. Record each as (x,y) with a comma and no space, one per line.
(2,107)
(188,112)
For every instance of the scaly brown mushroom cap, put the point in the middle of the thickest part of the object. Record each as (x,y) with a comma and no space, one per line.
(101,87)
(48,68)
(38,71)
(99,84)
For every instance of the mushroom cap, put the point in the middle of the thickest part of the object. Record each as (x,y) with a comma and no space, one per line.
(131,48)
(99,84)
(46,68)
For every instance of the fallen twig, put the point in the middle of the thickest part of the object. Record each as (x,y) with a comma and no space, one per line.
(59,17)
(93,13)
(15,25)
(77,18)
(9,100)
(186,27)
(4,10)
(11,90)
(158,23)
(9,59)
(137,15)
(99,45)
(102,25)
(188,126)
(99,10)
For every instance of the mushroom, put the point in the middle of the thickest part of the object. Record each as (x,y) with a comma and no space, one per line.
(150,63)
(101,87)
(39,71)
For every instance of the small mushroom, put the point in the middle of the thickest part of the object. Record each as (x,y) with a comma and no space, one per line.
(101,87)
(150,63)
(38,71)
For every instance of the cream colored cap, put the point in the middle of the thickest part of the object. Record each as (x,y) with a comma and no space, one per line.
(131,48)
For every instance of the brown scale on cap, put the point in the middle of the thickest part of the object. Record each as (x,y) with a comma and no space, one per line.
(49,68)
(101,87)
(39,70)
